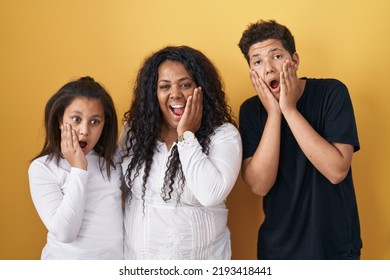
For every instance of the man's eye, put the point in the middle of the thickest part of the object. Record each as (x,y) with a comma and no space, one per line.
(257,62)
(277,56)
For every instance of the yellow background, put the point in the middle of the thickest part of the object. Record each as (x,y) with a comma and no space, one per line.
(44,44)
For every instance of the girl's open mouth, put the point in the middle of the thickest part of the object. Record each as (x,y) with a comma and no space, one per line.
(83,144)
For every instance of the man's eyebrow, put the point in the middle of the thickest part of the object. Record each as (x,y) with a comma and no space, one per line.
(274,50)
(270,51)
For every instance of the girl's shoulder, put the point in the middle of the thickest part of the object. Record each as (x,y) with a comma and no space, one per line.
(49,164)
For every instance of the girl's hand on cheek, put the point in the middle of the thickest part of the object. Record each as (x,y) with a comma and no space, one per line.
(70,147)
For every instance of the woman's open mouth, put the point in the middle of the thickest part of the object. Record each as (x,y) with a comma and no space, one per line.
(177,110)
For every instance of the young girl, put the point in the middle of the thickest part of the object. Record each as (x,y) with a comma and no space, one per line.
(74,181)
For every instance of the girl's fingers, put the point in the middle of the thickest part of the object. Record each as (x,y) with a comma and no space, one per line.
(69,140)
(69,136)
(74,140)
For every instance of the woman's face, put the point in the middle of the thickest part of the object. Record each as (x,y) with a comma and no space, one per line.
(174,86)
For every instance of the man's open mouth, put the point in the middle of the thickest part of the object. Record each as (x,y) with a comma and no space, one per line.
(274,84)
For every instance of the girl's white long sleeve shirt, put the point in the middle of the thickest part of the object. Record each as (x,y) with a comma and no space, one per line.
(81,209)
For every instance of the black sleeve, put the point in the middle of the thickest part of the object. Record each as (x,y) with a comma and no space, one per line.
(340,124)
(252,118)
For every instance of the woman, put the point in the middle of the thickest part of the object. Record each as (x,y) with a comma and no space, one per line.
(181,158)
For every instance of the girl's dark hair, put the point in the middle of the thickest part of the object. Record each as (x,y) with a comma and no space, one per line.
(84,87)
(263,30)
(144,118)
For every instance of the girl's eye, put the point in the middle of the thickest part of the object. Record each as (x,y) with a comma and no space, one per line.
(95,122)
(76,119)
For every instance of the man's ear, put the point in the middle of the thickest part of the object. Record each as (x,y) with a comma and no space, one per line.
(295,59)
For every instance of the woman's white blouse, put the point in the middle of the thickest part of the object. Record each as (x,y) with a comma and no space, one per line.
(80,209)
(195,227)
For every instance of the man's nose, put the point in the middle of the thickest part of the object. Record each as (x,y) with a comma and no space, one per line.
(268,68)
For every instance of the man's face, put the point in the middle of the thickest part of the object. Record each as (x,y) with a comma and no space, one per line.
(267,59)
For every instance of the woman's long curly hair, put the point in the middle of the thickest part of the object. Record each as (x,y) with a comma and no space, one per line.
(144,118)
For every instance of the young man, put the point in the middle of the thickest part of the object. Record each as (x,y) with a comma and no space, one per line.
(298,137)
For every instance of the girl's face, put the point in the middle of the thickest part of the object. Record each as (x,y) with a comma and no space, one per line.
(174,86)
(86,116)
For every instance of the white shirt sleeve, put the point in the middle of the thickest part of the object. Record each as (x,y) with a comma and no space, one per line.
(59,197)
(211,177)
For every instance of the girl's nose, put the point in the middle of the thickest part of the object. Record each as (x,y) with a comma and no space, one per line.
(84,130)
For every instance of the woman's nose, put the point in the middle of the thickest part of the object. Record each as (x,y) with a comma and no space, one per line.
(175,92)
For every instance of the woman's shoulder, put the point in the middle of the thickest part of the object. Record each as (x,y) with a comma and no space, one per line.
(226,130)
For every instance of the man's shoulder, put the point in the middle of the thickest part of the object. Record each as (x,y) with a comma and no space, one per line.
(326,87)
(324,82)
(251,101)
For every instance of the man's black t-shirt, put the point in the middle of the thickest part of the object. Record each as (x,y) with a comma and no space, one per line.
(306,216)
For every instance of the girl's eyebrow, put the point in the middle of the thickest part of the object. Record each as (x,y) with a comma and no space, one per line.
(77,112)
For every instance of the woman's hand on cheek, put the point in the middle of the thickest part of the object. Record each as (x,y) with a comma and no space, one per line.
(192,117)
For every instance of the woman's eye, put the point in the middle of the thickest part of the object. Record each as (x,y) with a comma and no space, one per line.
(164,87)
(186,85)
